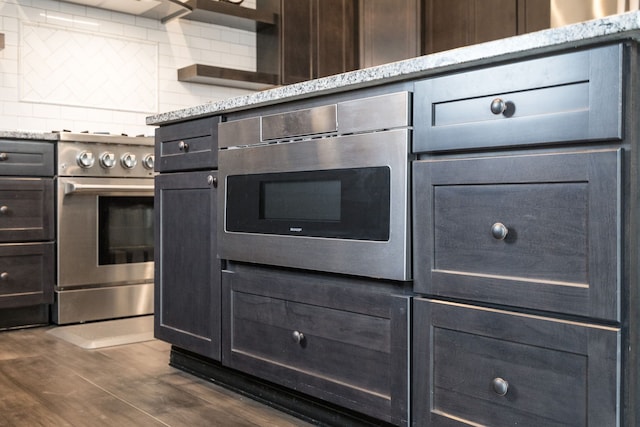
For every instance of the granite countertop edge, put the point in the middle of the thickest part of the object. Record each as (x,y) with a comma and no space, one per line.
(29,135)
(600,30)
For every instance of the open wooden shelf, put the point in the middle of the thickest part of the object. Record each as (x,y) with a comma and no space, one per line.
(227,14)
(209,74)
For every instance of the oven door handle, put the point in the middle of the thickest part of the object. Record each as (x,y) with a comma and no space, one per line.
(74,187)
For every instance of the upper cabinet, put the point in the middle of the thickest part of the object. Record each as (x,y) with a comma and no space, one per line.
(449,24)
(315,38)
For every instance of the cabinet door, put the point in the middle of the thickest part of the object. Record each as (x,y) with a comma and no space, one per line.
(389,31)
(26,209)
(187,271)
(318,38)
(482,366)
(339,339)
(534,231)
(456,23)
(26,274)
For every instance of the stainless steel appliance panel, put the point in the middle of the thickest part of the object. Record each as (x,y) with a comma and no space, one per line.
(380,259)
(78,232)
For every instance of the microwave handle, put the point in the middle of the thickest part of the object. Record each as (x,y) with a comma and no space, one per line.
(74,187)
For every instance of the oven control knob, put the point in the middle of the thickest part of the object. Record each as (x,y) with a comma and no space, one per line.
(148,161)
(129,161)
(85,159)
(107,160)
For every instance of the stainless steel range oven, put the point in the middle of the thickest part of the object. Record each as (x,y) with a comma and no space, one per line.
(104,227)
(324,188)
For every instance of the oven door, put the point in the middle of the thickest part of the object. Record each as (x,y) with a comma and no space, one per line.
(105,231)
(337,204)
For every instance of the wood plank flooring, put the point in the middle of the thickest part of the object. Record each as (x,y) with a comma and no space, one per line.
(45,381)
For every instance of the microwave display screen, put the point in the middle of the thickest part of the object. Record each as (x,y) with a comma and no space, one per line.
(301,200)
(336,203)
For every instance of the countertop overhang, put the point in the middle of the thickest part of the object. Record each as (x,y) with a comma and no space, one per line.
(615,27)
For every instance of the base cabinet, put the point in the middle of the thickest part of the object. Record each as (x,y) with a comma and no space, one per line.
(187,296)
(331,338)
(481,366)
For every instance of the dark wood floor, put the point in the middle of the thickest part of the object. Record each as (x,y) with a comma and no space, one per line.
(45,381)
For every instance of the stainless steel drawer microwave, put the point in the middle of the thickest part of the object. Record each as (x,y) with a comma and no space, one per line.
(324,188)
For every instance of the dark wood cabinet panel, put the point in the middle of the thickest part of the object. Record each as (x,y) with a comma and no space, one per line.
(187,271)
(26,209)
(561,215)
(317,39)
(26,274)
(188,145)
(562,98)
(389,31)
(339,339)
(26,158)
(449,24)
(481,366)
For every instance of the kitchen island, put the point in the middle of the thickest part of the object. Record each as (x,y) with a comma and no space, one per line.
(521,303)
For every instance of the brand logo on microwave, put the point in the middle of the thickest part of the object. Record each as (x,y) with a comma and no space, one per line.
(295,229)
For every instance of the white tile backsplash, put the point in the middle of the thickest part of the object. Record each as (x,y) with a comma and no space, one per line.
(57,74)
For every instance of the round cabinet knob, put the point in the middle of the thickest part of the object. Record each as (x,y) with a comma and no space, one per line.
(499,231)
(183,146)
(4,157)
(500,386)
(148,161)
(498,106)
(129,160)
(4,276)
(211,180)
(4,209)
(107,160)
(86,159)
(298,336)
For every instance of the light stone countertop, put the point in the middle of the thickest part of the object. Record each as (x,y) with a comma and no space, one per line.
(33,135)
(616,27)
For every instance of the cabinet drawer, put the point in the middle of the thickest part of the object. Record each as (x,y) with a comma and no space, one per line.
(188,145)
(342,345)
(478,366)
(26,158)
(560,213)
(26,209)
(569,97)
(26,274)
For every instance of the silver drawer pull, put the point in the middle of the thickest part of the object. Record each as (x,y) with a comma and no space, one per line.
(298,336)
(499,231)
(211,180)
(498,106)
(4,157)
(4,209)
(500,386)
(183,146)
(4,276)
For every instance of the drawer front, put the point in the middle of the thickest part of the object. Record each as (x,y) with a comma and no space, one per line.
(283,328)
(538,232)
(26,209)
(571,97)
(475,366)
(26,158)
(187,146)
(26,274)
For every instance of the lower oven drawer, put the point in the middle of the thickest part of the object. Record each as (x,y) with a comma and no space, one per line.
(480,366)
(26,274)
(285,328)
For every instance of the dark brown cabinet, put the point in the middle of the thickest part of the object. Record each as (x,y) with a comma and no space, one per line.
(27,261)
(449,24)
(343,340)
(187,270)
(316,38)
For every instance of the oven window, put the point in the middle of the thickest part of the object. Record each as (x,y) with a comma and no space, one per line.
(336,203)
(125,233)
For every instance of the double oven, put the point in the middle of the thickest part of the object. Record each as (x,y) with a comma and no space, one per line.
(324,188)
(105,217)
